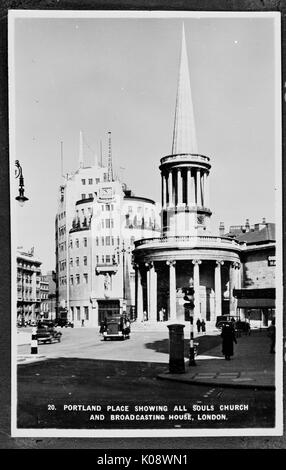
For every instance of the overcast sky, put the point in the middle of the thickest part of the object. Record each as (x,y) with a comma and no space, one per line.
(120,75)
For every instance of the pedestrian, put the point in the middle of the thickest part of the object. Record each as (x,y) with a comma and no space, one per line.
(228,338)
(198,323)
(145,317)
(272,335)
(164,314)
(82,322)
(203,326)
(161,315)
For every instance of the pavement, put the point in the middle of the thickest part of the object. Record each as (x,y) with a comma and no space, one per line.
(252,365)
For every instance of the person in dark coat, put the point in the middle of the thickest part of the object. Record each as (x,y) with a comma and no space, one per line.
(198,325)
(272,336)
(228,338)
(203,326)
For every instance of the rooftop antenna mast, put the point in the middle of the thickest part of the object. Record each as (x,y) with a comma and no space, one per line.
(109,166)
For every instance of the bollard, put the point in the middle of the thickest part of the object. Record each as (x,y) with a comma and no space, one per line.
(192,361)
(34,342)
(176,349)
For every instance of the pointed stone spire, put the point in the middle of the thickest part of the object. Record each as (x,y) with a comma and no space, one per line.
(184,136)
(80,156)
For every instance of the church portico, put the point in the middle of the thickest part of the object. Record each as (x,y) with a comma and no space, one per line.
(164,280)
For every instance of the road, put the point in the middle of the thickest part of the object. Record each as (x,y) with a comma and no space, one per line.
(84,370)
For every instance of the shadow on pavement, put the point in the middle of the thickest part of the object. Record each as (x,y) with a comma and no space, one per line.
(206,343)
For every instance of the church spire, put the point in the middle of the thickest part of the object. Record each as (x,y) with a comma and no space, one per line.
(184,136)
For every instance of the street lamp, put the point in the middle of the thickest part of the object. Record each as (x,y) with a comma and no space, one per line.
(123,250)
(19,174)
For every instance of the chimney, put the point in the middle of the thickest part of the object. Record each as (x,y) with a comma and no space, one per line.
(247,225)
(221,229)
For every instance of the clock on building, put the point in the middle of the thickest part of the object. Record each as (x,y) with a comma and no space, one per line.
(105,193)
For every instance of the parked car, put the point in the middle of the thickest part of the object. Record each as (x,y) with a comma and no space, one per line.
(47,333)
(242,327)
(63,322)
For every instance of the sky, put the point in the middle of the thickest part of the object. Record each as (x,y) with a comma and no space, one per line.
(120,75)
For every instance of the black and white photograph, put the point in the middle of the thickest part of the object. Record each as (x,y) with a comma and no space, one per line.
(146,223)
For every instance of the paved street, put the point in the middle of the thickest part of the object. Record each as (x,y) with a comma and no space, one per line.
(84,370)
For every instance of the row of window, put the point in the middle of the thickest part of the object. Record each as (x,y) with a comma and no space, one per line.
(62,230)
(76,279)
(62,215)
(77,261)
(89,196)
(90,181)
(107,223)
(107,207)
(75,312)
(76,244)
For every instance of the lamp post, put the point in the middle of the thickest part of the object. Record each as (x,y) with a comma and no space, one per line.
(123,250)
(19,174)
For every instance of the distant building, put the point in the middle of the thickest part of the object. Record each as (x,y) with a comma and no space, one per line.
(97,223)
(44,296)
(28,286)
(256,298)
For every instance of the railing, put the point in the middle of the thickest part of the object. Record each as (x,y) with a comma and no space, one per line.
(191,239)
(185,156)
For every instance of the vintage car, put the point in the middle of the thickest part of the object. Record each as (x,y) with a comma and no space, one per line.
(64,323)
(47,333)
(117,327)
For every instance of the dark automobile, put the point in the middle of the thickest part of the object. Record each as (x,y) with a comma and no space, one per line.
(242,327)
(116,327)
(223,319)
(47,333)
(64,323)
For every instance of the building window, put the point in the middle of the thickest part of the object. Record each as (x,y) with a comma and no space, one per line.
(107,259)
(86,315)
(112,223)
(102,258)
(112,241)
(107,207)
(90,180)
(107,223)
(77,261)
(107,241)
(72,314)
(71,262)
(77,243)
(71,279)
(102,223)
(90,195)
(77,279)
(97,241)
(85,242)
(97,259)
(78,313)
(83,181)
(105,177)
(70,243)
(102,241)
(83,196)
(112,207)
(85,260)
(271,260)
(85,276)
(97,180)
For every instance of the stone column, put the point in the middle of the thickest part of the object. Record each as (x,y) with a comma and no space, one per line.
(203,188)
(189,187)
(196,263)
(207,191)
(218,297)
(172,290)
(170,189)
(139,293)
(232,310)
(179,187)
(163,191)
(198,187)
(151,292)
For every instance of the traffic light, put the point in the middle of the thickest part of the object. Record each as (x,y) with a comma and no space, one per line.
(189,297)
